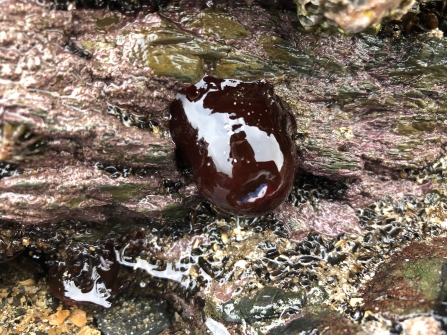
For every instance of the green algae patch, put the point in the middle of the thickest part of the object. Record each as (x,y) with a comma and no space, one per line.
(155,154)
(350,92)
(173,53)
(75,202)
(332,161)
(30,184)
(53,205)
(215,23)
(245,67)
(42,113)
(370,102)
(265,39)
(278,55)
(22,204)
(331,65)
(425,60)
(175,211)
(286,58)
(415,94)
(103,23)
(267,303)
(406,129)
(122,193)
(164,35)
(425,276)
(174,61)
(369,86)
(323,320)
(425,123)
(100,44)
(412,281)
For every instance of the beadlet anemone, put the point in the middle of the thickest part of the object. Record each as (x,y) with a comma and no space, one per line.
(236,138)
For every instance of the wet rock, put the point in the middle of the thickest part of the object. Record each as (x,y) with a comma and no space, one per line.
(333,219)
(267,303)
(424,17)
(351,16)
(412,281)
(87,140)
(318,322)
(20,272)
(136,315)
(359,118)
(421,325)
(60,104)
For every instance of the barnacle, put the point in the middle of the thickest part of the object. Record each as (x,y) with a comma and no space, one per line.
(8,169)
(133,119)
(18,142)
(423,17)
(117,171)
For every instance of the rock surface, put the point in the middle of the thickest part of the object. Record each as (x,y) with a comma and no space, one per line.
(86,161)
(359,114)
(352,16)
(411,286)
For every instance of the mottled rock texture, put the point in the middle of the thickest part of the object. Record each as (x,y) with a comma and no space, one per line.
(84,103)
(412,282)
(365,108)
(63,98)
(352,16)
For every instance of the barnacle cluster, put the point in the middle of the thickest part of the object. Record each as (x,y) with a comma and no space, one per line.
(8,170)
(124,6)
(132,119)
(434,173)
(8,249)
(213,254)
(116,171)
(253,253)
(74,49)
(422,17)
(18,142)
(312,189)
(170,186)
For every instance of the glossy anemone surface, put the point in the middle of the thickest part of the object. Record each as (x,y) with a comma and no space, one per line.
(90,277)
(236,138)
